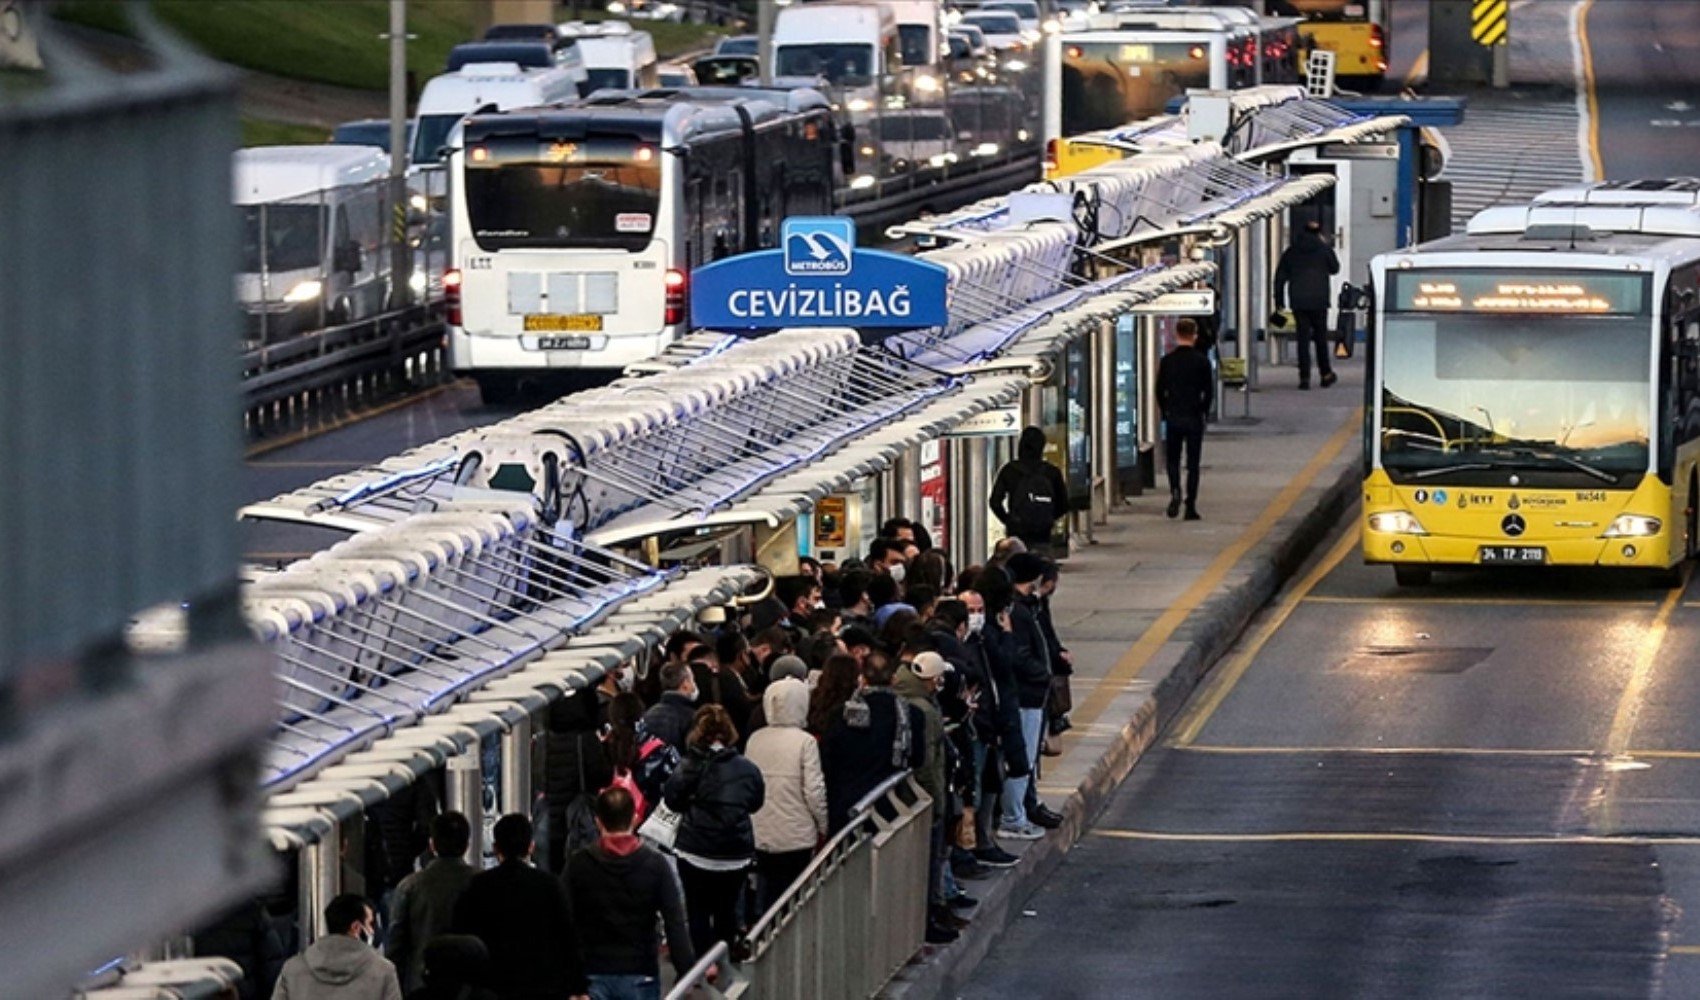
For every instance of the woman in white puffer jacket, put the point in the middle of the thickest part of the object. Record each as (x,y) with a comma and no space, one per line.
(792,820)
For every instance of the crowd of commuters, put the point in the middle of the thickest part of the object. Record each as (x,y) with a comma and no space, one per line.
(683,797)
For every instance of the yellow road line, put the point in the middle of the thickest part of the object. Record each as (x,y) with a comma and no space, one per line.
(1224,678)
(308,433)
(1593,102)
(1489,601)
(1376,836)
(1683,949)
(1222,748)
(1646,658)
(1131,662)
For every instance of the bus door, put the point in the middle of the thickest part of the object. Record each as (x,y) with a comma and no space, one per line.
(1358,213)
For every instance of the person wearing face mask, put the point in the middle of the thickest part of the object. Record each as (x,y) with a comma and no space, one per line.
(342,965)
(886,555)
(993,714)
(670,718)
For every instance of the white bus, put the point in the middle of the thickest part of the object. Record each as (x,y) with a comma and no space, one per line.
(450,97)
(573,230)
(615,56)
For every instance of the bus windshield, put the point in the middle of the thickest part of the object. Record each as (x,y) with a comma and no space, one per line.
(592,192)
(281,237)
(843,65)
(1562,394)
(1108,84)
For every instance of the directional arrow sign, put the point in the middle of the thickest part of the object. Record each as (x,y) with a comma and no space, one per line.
(991,423)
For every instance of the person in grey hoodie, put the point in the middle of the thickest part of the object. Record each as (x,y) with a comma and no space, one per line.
(792,819)
(342,965)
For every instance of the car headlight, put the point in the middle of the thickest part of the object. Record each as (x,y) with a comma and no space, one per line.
(417,283)
(926,84)
(1395,522)
(305,291)
(860,104)
(861,182)
(1016,66)
(1633,526)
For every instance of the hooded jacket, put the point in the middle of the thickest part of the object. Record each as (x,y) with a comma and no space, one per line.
(864,747)
(337,967)
(793,817)
(1029,466)
(715,792)
(931,773)
(618,885)
(1305,266)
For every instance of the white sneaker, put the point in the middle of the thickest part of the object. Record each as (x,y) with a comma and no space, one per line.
(1026,831)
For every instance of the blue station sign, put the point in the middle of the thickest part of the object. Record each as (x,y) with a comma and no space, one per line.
(818,277)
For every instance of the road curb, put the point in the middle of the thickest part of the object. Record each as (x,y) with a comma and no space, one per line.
(1207,635)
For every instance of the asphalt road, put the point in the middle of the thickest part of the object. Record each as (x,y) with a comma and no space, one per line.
(1489,788)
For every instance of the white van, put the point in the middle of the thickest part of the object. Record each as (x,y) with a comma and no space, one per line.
(854,47)
(448,98)
(615,56)
(312,237)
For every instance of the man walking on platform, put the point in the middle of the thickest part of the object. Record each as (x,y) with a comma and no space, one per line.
(1028,494)
(1306,266)
(1186,388)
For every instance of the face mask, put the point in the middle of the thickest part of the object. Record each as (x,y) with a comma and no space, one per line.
(976,621)
(364,935)
(897,572)
(624,680)
(692,696)
(818,605)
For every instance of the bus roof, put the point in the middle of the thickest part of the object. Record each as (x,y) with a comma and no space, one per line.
(670,117)
(279,173)
(1602,225)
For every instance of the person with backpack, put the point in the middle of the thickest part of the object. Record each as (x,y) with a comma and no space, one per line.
(635,760)
(575,766)
(1029,495)
(715,792)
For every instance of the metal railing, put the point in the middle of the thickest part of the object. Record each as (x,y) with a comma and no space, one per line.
(849,922)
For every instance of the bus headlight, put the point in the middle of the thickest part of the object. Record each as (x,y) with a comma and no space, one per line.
(1395,522)
(305,291)
(1633,526)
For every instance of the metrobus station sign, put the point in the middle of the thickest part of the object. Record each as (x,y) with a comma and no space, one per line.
(818,277)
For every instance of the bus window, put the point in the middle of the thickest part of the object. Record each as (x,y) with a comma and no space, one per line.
(1109,84)
(594,192)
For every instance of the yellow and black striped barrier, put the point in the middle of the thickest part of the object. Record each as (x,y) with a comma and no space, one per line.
(1490,22)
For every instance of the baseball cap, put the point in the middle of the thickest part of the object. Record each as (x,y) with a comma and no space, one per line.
(928,666)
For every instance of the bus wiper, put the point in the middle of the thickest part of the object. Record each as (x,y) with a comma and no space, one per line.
(1447,469)
(1575,463)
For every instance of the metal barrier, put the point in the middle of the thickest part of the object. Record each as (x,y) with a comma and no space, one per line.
(850,921)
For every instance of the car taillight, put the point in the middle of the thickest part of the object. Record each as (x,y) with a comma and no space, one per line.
(1375,39)
(674,284)
(451,296)
(1050,155)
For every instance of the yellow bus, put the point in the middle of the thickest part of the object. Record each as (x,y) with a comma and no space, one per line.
(1354,30)
(1534,396)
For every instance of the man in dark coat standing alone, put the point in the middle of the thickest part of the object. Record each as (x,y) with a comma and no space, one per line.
(1186,388)
(1029,495)
(1305,267)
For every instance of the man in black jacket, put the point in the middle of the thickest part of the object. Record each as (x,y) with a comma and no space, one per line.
(1306,266)
(669,719)
(1026,651)
(523,917)
(618,886)
(879,735)
(424,903)
(1186,388)
(1029,495)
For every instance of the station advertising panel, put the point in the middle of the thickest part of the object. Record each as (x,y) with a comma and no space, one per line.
(818,277)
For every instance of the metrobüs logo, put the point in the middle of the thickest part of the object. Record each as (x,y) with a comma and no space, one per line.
(818,245)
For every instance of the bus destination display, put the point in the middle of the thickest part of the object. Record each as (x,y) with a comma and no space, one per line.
(1564,293)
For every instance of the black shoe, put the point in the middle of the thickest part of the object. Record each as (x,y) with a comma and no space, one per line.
(963,901)
(970,870)
(1174,506)
(1060,725)
(1329,378)
(1192,514)
(1304,383)
(995,857)
(1044,817)
(940,934)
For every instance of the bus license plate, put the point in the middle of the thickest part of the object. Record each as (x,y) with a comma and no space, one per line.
(557,323)
(563,343)
(1507,554)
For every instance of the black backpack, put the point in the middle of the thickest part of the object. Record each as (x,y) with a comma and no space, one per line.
(1032,508)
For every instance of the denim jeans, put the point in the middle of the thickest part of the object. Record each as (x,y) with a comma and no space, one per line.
(604,987)
(1015,789)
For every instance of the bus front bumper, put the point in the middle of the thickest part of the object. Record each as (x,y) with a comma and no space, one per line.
(1650,552)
